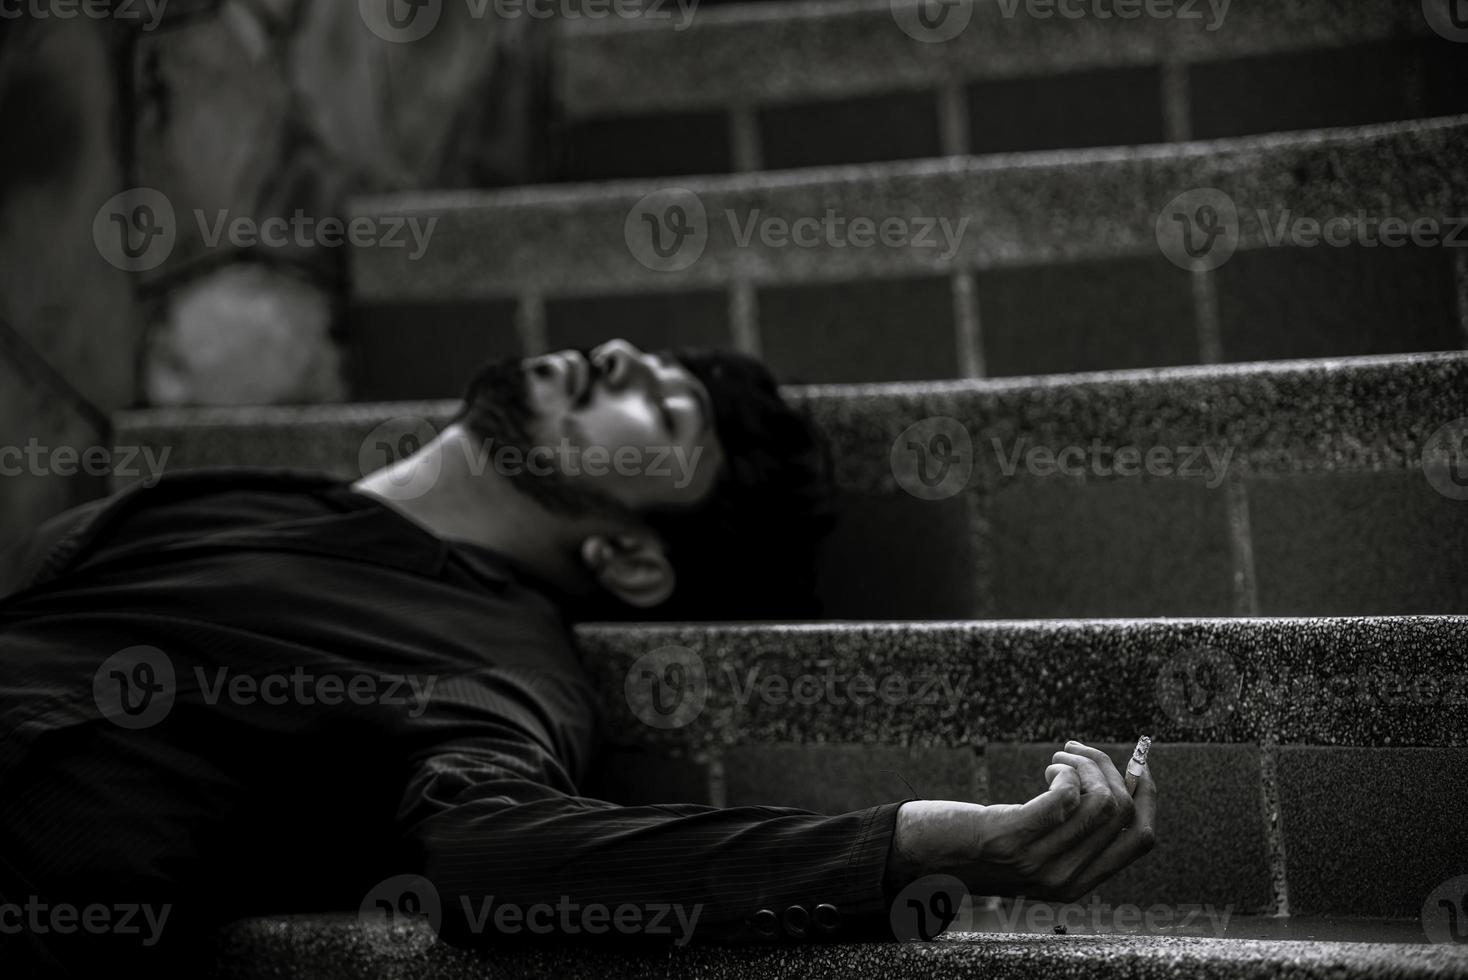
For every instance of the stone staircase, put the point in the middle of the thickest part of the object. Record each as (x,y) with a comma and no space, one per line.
(1130,450)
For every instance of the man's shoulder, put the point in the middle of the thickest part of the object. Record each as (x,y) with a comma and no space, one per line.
(54,544)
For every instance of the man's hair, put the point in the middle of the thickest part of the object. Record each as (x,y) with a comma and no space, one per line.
(748,550)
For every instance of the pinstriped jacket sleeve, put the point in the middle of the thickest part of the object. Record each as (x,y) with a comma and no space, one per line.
(501,832)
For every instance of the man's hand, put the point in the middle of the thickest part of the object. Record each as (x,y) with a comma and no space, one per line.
(1058,846)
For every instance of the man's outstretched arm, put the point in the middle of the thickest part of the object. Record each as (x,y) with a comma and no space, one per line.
(512,855)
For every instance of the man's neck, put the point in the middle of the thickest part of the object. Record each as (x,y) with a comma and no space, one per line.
(442,490)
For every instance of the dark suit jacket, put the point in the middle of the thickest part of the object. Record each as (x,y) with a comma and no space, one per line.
(179,725)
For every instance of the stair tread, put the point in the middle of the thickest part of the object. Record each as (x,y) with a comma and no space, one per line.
(338,945)
(741,54)
(568,241)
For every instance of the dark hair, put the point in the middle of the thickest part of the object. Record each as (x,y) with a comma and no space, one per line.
(748,551)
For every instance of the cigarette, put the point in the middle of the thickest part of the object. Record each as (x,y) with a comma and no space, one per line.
(1138,762)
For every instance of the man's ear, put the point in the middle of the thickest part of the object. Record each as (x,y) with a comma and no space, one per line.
(632,567)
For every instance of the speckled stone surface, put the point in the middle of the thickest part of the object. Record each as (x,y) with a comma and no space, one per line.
(1335,804)
(965,684)
(748,53)
(1340,544)
(330,947)
(1024,209)
(1363,413)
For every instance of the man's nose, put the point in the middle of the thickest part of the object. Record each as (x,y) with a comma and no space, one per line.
(626,366)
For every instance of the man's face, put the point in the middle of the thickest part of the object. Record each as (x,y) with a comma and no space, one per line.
(623,423)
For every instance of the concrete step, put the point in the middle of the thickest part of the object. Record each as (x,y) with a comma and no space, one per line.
(1286,488)
(762,86)
(1268,864)
(329,947)
(1009,265)
(1267,731)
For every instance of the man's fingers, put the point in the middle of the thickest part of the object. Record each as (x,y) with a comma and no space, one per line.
(1093,782)
(1139,838)
(1104,763)
(1053,807)
(1087,832)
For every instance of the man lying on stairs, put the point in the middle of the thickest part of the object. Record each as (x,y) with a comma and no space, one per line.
(241,692)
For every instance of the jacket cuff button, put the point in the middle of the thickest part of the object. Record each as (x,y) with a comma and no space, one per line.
(796,920)
(828,917)
(765,923)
